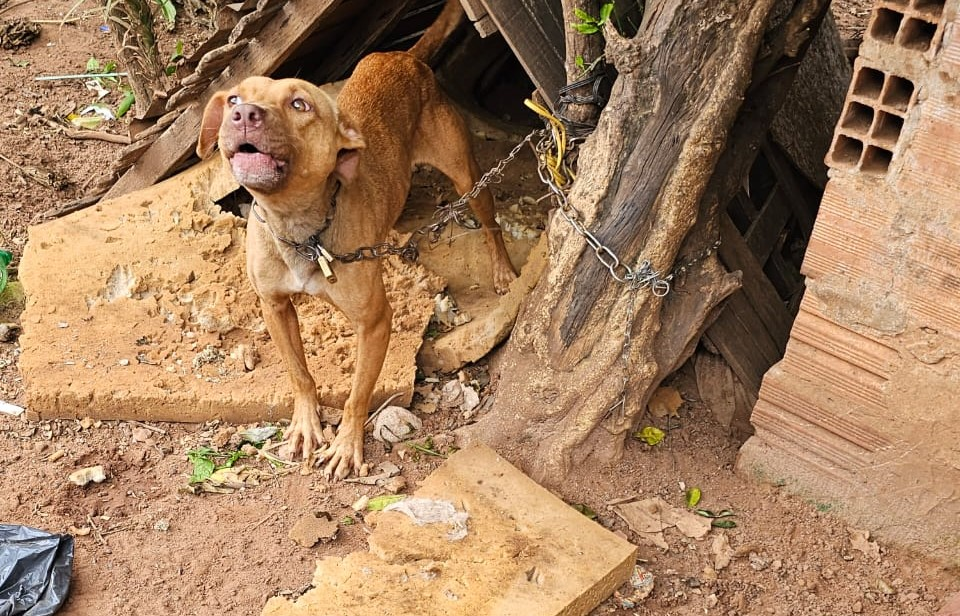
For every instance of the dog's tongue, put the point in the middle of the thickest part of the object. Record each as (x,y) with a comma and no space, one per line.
(255,168)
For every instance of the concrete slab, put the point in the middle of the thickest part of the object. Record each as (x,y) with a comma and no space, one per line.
(525,552)
(139,308)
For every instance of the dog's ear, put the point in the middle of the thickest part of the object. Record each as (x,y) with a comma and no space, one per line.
(210,125)
(349,144)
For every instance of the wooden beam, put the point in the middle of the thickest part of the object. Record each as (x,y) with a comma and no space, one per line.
(338,62)
(265,53)
(534,30)
(485,26)
(774,320)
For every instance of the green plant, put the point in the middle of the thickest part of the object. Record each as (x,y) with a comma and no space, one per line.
(588,24)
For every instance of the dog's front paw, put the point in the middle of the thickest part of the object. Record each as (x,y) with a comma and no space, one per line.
(503,275)
(305,434)
(344,455)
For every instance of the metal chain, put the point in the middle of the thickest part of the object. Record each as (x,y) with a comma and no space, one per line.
(643,276)
(312,249)
(454,211)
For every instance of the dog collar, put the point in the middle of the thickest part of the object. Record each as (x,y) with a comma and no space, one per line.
(312,248)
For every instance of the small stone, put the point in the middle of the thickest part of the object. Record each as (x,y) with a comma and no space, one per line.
(124,362)
(757,562)
(857,608)
(161,525)
(364,470)
(9,332)
(40,446)
(394,484)
(141,435)
(56,455)
(394,424)
(222,436)
(84,476)
(361,503)
(249,450)
(86,423)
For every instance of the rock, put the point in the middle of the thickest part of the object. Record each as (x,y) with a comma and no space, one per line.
(84,476)
(86,423)
(9,332)
(312,528)
(141,435)
(394,424)
(471,399)
(451,395)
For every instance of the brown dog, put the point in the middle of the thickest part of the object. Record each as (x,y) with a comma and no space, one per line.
(336,174)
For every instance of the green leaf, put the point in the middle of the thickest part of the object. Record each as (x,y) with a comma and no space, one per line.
(693,496)
(583,16)
(93,65)
(110,67)
(377,503)
(347,521)
(580,63)
(236,455)
(125,103)
(168,10)
(650,435)
(203,464)
(723,524)
(605,12)
(585,28)
(726,513)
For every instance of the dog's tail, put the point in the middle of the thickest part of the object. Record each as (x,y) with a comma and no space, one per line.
(434,36)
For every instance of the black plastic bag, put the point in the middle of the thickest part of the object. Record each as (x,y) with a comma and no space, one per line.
(35,570)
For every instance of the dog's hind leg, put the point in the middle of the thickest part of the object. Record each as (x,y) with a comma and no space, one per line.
(450,152)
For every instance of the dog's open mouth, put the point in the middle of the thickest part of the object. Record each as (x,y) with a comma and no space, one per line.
(256,169)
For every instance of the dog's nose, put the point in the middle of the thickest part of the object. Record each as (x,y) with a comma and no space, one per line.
(247,116)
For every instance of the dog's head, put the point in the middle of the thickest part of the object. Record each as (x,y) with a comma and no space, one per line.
(279,135)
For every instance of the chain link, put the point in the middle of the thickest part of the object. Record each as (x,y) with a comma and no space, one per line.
(642,277)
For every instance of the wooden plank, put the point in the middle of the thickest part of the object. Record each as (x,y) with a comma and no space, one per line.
(534,30)
(793,190)
(474,9)
(748,349)
(763,236)
(485,26)
(339,61)
(759,292)
(278,39)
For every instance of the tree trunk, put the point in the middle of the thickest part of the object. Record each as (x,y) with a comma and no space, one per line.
(587,352)
(589,49)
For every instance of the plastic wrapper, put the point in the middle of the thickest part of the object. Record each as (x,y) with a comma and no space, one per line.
(35,571)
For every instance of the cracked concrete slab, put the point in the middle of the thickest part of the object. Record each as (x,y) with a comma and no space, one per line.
(525,552)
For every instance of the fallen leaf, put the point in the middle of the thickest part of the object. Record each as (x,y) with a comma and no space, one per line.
(648,518)
(379,502)
(693,496)
(649,435)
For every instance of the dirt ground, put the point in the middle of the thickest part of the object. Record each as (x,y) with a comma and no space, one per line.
(146,545)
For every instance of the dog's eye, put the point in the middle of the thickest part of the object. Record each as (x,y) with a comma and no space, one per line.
(233,99)
(300,105)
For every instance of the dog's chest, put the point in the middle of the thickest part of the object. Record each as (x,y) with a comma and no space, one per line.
(304,276)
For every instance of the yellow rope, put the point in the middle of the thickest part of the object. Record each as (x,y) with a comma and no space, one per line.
(554,157)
